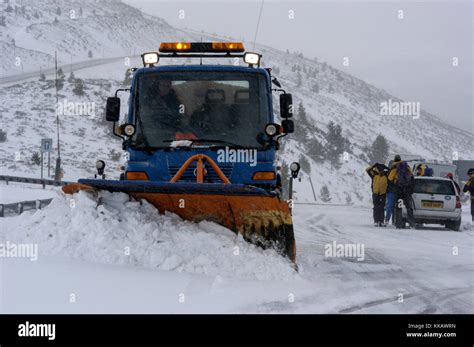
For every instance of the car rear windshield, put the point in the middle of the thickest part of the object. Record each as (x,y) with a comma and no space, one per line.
(434,187)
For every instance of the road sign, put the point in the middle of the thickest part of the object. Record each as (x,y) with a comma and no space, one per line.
(46,145)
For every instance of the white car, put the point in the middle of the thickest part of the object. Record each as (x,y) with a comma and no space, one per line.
(435,201)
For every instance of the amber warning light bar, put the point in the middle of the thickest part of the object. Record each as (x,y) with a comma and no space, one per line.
(202,47)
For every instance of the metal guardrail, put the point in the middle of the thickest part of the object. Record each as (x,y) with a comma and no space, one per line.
(18,208)
(43,182)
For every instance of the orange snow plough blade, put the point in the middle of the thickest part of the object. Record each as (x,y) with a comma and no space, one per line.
(261,217)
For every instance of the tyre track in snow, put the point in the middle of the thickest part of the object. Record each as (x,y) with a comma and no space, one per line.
(438,296)
(396,261)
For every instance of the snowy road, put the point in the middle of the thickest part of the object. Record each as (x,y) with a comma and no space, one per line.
(188,268)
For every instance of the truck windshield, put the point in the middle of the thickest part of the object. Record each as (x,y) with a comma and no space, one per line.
(228,107)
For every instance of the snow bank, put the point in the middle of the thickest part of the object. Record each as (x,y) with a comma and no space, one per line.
(120,231)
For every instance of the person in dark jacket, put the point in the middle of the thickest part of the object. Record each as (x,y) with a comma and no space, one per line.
(379,191)
(403,181)
(390,202)
(469,187)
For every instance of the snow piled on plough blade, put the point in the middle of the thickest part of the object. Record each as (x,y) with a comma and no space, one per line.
(260,217)
(120,231)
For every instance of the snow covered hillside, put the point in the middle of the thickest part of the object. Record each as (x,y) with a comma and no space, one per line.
(78,30)
(326,93)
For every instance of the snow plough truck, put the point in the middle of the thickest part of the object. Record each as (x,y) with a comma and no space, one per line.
(201,141)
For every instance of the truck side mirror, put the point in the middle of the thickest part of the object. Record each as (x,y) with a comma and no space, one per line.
(112,110)
(288,126)
(286,105)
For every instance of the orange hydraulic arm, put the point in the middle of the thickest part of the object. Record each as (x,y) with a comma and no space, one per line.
(200,158)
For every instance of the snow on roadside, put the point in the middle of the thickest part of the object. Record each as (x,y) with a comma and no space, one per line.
(23,192)
(120,231)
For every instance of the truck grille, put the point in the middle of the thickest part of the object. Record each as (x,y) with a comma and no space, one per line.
(211,176)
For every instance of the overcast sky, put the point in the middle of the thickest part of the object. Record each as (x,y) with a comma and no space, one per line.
(411,57)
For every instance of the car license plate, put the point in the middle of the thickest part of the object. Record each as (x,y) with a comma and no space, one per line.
(432,204)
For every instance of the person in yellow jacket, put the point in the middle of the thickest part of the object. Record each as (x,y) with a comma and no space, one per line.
(378,174)
(420,169)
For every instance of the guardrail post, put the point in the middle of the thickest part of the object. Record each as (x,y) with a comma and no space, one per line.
(44,185)
(38,204)
(20,208)
(2,209)
(7,182)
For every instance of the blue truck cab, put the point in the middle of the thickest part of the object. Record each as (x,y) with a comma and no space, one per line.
(224,112)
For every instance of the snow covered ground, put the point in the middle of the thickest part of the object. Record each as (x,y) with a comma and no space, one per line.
(16,192)
(123,257)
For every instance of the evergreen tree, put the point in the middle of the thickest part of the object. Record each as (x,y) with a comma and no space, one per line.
(42,77)
(128,78)
(61,78)
(36,158)
(316,150)
(325,194)
(378,152)
(335,144)
(61,74)
(58,11)
(348,199)
(300,128)
(78,87)
(299,79)
(55,20)
(3,135)
(71,77)
(89,54)
(315,88)
(304,164)
(2,21)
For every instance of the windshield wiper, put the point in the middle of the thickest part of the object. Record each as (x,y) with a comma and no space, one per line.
(221,142)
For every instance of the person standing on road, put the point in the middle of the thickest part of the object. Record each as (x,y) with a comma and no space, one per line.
(379,191)
(402,178)
(389,214)
(469,187)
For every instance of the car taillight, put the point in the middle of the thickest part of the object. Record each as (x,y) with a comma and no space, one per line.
(458,202)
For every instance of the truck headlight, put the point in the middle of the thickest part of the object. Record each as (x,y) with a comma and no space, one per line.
(100,165)
(150,58)
(295,169)
(129,129)
(271,129)
(252,58)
